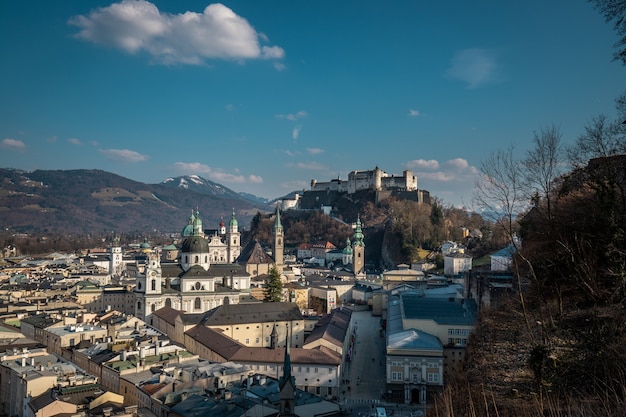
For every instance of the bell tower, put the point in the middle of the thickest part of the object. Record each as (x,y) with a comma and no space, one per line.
(358,249)
(233,239)
(279,242)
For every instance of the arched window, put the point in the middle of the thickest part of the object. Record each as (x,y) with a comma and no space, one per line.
(196,259)
(186,259)
(198,303)
(153,285)
(138,305)
(168,302)
(153,307)
(206,258)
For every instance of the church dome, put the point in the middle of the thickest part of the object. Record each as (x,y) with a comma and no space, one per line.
(188,229)
(195,244)
(233,221)
(348,249)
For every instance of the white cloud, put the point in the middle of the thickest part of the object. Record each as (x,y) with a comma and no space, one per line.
(413,113)
(295,133)
(316,166)
(457,169)
(220,176)
(15,144)
(295,185)
(192,168)
(291,153)
(51,139)
(476,67)
(187,38)
(123,155)
(422,164)
(216,174)
(315,151)
(74,141)
(293,116)
(461,165)
(279,66)
(229,107)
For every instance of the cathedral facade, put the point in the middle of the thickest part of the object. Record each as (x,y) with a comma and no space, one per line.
(204,277)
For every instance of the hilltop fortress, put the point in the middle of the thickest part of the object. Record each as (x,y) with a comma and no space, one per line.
(375,179)
(376,182)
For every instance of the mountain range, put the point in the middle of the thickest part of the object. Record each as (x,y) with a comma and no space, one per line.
(94,201)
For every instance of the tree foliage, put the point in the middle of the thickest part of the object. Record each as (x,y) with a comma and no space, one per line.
(273,291)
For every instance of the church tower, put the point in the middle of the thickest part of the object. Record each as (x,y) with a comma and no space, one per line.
(287,385)
(279,242)
(148,289)
(346,253)
(115,257)
(358,249)
(233,239)
(195,248)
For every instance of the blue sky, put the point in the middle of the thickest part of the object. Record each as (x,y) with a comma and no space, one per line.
(262,97)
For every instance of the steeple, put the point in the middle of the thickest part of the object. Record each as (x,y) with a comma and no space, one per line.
(233,239)
(279,242)
(358,249)
(358,233)
(278,227)
(287,383)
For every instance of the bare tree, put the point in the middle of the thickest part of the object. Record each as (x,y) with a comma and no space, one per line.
(499,192)
(543,166)
(615,11)
(602,138)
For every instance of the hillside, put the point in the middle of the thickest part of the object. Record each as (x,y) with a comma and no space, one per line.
(94,201)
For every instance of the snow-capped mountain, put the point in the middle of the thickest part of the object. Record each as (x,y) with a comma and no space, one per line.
(202,185)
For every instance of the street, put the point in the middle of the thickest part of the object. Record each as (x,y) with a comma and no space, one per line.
(364,378)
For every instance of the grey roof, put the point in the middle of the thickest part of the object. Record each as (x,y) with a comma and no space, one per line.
(252,313)
(174,270)
(414,339)
(443,311)
(332,327)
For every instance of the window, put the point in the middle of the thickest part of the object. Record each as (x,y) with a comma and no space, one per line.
(247,341)
(153,284)
(257,340)
(396,376)
(195,259)
(433,377)
(297,337)
(330,391)
(197,303)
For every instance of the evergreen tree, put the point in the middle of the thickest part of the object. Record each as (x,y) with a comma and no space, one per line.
(273,286)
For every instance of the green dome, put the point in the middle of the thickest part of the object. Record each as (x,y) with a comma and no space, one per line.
(233,221)
(188,230)
(348,249)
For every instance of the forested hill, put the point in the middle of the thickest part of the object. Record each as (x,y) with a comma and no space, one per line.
(94,201)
